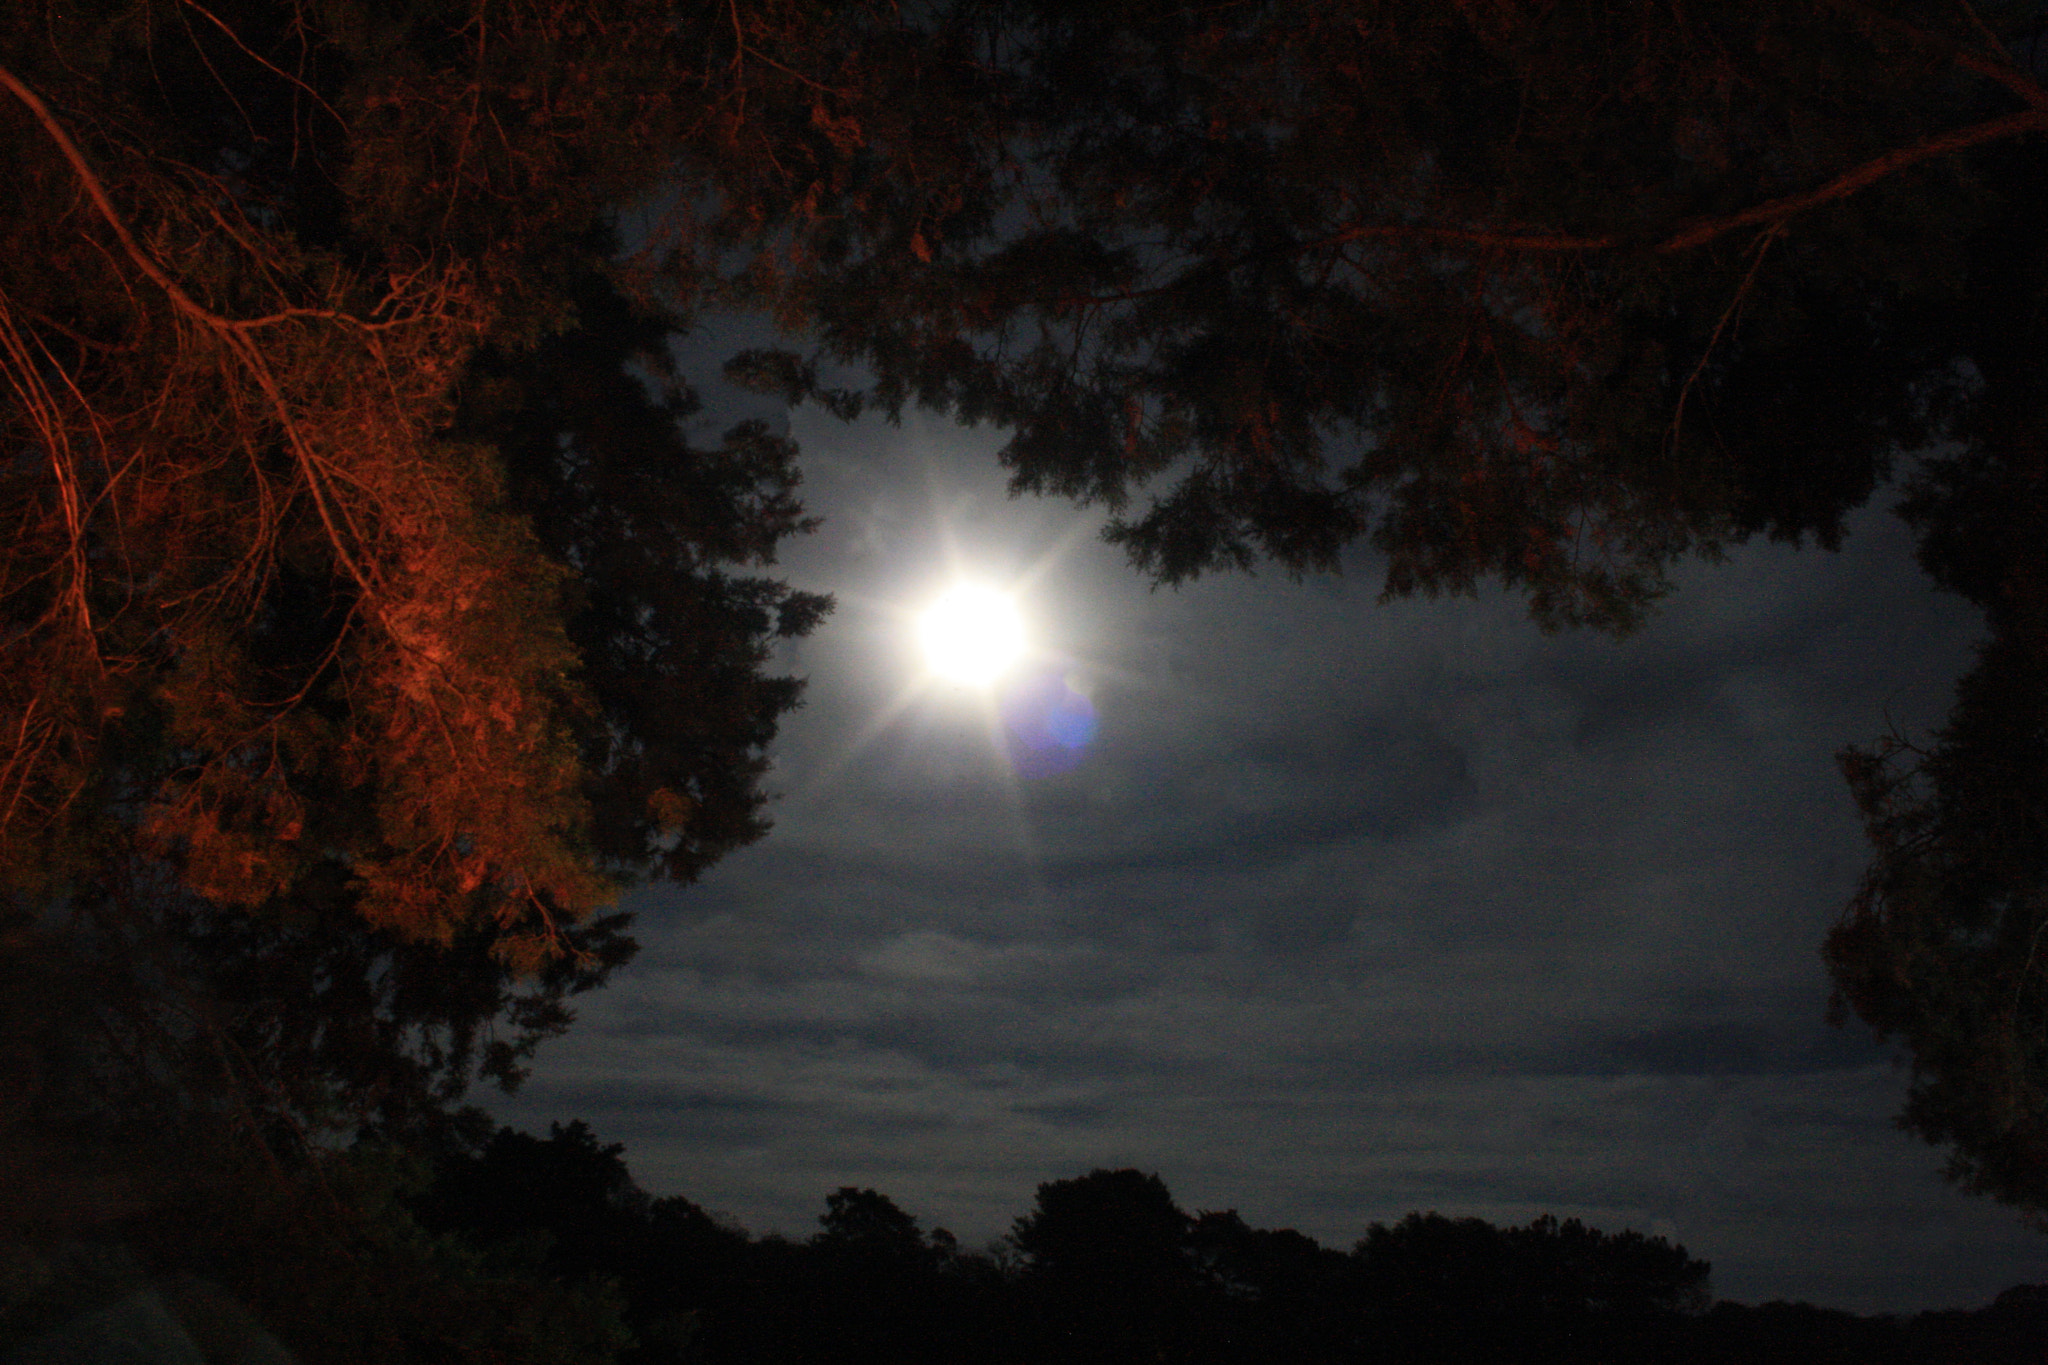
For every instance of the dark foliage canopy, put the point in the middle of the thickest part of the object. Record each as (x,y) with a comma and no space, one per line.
(1431,1265)
(369,620)
(1941,947)
(1548,295)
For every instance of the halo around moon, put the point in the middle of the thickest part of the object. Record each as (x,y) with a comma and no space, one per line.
(971,634)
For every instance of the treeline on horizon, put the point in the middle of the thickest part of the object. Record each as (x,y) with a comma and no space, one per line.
(1106,1267)
(497,1245)
(501,1245)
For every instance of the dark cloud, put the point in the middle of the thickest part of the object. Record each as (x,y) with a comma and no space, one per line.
(1077,1115)
(1713,1049)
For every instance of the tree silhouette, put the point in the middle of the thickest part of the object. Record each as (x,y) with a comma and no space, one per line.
(1431,1265)
(1939,949)
(866,1224)
(1274,1294)
(1552,296)
(1106,1271)
(880,1288)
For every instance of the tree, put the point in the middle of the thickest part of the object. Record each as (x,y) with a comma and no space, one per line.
(880,1288)
(568,1185)
(369,622)
(1941,947)
(1553,295)
(1463,1289)
(330,1262)
(1274,1293)
(1260,1263)
(1107,1272)
(1104,1226)
(866,1224)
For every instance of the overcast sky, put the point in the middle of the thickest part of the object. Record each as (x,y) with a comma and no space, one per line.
(1343,910)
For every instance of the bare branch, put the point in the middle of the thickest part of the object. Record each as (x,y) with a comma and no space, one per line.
(232,335)
(261,60)
(1762,247)
(1869,173)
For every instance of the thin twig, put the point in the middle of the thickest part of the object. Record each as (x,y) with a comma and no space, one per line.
(1763,245)
(258,57)
(234,337)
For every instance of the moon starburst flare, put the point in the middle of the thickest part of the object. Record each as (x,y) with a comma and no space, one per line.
(972,635)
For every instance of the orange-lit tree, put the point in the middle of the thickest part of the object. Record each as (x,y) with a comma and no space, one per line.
(366,619)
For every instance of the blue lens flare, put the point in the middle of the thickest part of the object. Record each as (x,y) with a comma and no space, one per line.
(1050,721)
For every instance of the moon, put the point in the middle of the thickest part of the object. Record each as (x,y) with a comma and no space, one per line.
(971,634)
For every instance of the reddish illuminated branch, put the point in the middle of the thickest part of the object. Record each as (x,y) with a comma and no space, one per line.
(260,59)
(1869,173)
(1771,213)
(232,334)
(97,192)
(2004,72)
(1706,229)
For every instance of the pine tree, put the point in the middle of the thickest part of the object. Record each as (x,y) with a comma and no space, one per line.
(1552,296)
(369,621)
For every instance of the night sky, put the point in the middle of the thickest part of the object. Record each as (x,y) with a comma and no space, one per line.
(1324,910)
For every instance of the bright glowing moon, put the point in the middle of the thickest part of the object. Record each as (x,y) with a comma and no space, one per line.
(972,634)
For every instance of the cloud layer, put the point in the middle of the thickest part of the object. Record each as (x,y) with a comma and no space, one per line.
(1341,910)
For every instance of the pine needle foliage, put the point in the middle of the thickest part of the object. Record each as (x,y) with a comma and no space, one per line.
(369,622)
